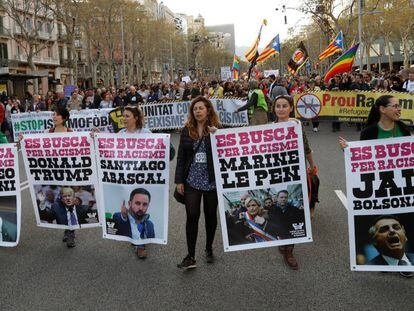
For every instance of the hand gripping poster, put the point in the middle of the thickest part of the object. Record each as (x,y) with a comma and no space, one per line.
(133,172)
(61,171)
(261,186)
(380,199)
(10,206)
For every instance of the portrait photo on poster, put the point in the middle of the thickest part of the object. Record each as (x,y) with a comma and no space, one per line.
(8,219)
(384,242)
(265,215)
(135,213)
(68,207)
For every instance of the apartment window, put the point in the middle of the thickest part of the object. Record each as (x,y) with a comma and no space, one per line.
(79,56)
(49,52)
(39,25)
(78,43)
(49,27)
(29,24)
(3,51)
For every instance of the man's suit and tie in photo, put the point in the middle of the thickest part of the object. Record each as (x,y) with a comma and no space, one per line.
(133,221)
(65,212)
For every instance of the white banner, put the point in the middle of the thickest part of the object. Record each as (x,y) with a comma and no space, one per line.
(380,194)
(261,186)
(61,171)
(79,121)
(173,115)
(10,200)
(133,182)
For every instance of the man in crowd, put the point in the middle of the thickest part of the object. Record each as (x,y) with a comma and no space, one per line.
(133,221)
(256,105)
(133,98)
(408,85)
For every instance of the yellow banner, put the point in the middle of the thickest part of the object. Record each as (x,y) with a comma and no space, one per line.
(348,106)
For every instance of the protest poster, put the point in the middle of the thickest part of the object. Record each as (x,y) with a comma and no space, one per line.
(79,121)
(225,73)
(10,200)
(379,182)
(133,175)
(261,186)
(61,171)
(347,106)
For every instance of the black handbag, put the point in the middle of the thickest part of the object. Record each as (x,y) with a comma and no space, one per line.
(178,196)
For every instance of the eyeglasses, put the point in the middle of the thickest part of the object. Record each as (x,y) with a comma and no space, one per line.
(395,106)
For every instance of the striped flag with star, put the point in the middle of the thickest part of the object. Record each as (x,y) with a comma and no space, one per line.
(271,49)
(252,52)
(337,45)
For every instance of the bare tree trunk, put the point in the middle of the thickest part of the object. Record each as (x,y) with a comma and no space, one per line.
(406,52)
(388,44)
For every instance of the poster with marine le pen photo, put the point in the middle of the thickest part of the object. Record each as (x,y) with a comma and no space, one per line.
(380,199)
(133,172)
(261,186)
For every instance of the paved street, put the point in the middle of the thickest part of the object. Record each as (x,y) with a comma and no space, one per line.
(42,274)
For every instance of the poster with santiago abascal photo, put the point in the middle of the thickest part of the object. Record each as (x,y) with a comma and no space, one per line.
(133,172)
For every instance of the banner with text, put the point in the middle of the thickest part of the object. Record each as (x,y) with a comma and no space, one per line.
(347,106)
(133,175)
(62,176)
(261,186)
(79,121)
(173,115)
(10,200)
(380,194)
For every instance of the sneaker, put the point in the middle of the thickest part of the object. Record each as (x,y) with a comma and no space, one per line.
(209,256)
(315,129)
(407,274)
(142,253)
(187,263)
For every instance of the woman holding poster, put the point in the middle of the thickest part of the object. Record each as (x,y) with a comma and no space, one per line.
(195,178)
(383,122)
(282,108)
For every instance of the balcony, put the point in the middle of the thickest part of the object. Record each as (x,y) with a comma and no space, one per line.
(62,36)
(4,63)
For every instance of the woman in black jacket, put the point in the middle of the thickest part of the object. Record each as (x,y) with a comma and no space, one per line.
(194,176)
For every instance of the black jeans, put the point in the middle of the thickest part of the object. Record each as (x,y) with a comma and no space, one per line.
(192,199)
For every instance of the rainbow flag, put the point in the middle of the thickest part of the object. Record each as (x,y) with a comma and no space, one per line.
(236,67)
(342,64)
(337,45)
(271,49)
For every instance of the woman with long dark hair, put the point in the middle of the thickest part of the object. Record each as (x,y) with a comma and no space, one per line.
(194,176)
(383,122)
(282,108)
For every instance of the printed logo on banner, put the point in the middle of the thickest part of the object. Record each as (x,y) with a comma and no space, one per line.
(308,106)
(261,186)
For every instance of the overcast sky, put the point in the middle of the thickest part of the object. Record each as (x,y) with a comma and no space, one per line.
(245,15)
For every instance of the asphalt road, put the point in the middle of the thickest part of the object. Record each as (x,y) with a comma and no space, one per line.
(42,274)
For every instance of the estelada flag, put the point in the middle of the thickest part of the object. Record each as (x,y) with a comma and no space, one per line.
(337,45)
(252,54)
(299,58)
(271,49)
